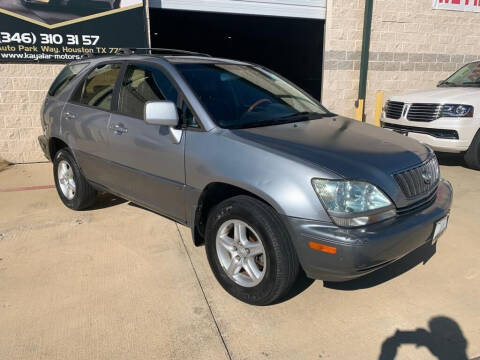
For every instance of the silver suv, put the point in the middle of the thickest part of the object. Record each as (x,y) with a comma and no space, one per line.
(267,178)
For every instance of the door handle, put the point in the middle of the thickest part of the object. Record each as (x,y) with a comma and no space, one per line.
(119,129)
(69,116)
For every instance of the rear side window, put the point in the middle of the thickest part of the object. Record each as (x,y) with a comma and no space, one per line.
(68,73)
(142,84)
(97,88)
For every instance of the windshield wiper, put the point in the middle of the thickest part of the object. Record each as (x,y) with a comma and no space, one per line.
(301,114)
(297,117)
(471,83)
(288,96)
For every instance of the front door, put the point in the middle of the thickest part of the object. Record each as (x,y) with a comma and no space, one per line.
(150,166)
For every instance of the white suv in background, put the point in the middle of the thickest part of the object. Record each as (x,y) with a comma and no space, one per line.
(446,118)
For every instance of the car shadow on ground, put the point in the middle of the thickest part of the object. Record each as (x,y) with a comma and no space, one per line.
(449,159)
(416,257)
(443,338)
(420,255)
(105,200)
(303,283)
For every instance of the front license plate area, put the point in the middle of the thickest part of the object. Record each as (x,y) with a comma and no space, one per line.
(440,228)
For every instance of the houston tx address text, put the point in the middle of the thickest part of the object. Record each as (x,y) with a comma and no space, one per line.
(29,45)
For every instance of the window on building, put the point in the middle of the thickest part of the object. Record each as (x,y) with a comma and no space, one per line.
(142,84)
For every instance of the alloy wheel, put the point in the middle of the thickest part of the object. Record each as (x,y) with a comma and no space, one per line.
(241,253)
(66,179)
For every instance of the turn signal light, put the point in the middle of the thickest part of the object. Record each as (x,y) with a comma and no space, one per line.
(322,248)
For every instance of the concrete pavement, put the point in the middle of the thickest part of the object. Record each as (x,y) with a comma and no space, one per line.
(119,282)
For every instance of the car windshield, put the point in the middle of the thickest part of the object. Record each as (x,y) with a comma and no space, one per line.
(242,96)
(467,76)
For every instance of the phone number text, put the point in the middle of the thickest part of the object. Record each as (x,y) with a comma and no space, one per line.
(48,39)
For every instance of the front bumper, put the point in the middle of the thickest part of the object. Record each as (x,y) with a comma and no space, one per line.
(363,250)
(465,128)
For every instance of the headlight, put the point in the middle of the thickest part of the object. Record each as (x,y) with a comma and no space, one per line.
(456,110)
(352,203)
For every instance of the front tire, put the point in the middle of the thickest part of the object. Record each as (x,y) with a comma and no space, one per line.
(250,251)
(472,156)
(72,187)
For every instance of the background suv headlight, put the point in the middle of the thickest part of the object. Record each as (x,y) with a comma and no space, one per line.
(456,110)
(352,203)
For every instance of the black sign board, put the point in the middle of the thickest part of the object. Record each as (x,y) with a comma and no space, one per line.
(64,30)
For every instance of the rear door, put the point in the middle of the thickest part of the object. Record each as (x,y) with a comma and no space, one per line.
(149,163)
(57,96)
(85,121)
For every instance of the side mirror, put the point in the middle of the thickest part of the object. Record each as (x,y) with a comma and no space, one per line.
(163,113)
(440,82)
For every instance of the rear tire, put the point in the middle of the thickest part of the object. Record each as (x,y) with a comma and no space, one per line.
(271,257)
(72,187)
(472,156)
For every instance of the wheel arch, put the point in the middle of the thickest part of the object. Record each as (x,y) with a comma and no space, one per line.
(54,145)
(213,194)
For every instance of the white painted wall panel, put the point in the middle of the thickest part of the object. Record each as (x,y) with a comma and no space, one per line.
(313,9)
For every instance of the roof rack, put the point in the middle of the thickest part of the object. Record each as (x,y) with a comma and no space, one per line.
(150,51)
(124,51)
(88,55)
(164,51)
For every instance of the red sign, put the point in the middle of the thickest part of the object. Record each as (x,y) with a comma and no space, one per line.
(459,5)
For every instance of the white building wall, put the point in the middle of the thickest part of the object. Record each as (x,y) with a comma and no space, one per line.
(314,9)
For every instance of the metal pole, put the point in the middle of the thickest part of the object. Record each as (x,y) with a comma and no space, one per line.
(362,86)
(146,4)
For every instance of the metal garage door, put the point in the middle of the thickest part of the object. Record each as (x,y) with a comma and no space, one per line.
(312,9)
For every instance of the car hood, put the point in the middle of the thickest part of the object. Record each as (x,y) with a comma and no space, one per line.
(349,148)
(441,95)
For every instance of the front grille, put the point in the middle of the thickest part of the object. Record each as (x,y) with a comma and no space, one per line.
(438,133)
(420,180)
(418,205)
(424,112)
(394,109)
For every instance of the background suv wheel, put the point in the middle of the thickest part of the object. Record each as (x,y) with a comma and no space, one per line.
(72,187)
(250,251)
(472,156)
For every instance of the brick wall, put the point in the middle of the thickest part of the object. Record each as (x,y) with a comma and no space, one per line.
(22,91)
(412,47)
